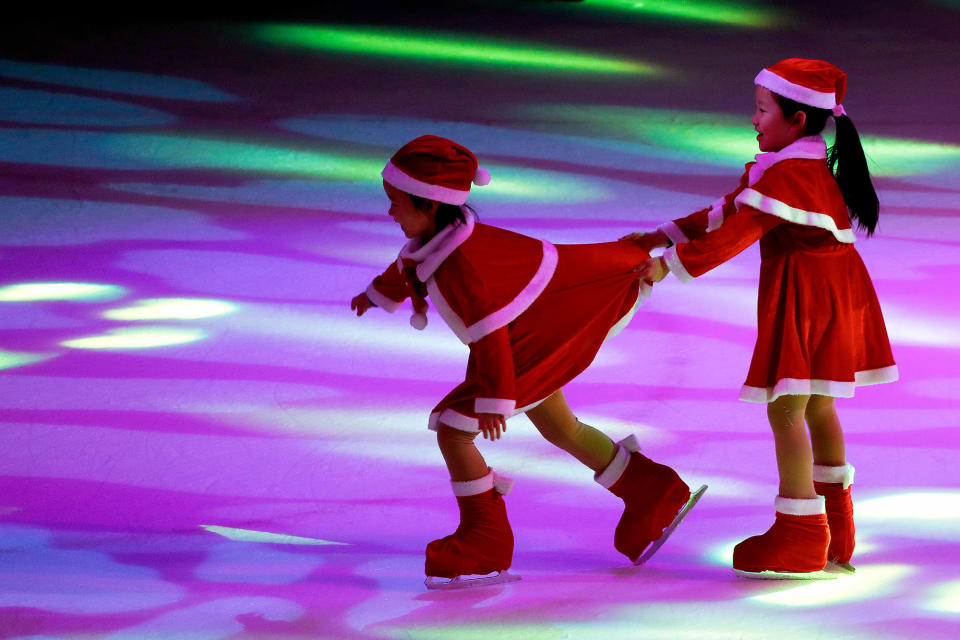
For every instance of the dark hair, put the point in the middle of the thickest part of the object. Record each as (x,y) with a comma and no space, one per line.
(447,213)
(845,159)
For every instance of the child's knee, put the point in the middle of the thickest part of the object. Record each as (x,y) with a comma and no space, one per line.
(450,437)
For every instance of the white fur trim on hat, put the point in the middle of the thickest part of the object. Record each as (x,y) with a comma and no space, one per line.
(800,506)
(798,93)
(834,475)
(395,176)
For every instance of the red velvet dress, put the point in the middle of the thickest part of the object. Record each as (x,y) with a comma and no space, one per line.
(534,314)
(820,327)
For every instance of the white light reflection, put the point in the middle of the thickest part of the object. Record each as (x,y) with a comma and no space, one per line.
(870,581)
(250,535)
(134,338)
(172,309)
(945,598)
(50,291)
(13,359)
(930,505)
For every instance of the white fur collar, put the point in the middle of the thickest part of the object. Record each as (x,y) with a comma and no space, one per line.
(431,255)
(809,147)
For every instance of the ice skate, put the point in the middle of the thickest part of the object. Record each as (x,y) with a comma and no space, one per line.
(833,483)
(466,582)
(656,544)
(481,549)
(794,548)
(655,500)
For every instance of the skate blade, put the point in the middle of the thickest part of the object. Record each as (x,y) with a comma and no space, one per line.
(466,582)
(656,544)
(840,567)
(786,575)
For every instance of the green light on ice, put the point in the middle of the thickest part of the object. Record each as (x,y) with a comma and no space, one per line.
(137,338)
(893,157)
(445,48)
(13,359)
(728,13)
(211,153)
(724,139)
(49,291)
(508,183)
(692,136)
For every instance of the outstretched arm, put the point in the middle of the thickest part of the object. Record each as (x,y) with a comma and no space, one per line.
(361,304)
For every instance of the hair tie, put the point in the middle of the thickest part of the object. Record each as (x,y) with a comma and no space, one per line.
(839,111)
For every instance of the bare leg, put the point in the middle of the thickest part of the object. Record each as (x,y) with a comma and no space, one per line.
(794,455)
(556,422)
(826,435)
(463,459)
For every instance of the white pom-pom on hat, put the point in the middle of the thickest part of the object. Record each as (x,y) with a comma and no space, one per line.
(481,177)
(418,321)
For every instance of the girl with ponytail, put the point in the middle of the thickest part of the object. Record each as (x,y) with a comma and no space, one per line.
(820,329)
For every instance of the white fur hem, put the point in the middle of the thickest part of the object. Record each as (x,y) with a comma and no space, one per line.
(454,420)
(501,406)
(798,387)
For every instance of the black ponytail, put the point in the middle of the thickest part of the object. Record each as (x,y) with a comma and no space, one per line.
(849,164)
(846,160)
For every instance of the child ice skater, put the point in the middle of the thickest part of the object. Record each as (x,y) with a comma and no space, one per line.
(820,329)
(534,315)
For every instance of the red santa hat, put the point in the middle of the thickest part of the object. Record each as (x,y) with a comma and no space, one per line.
(435,168)
(811,82)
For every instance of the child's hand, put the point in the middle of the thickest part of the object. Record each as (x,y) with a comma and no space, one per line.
(653,270)
(648,241)
(492,424)
(360,304)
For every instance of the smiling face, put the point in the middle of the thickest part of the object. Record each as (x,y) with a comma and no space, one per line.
(412,221)
(774,130)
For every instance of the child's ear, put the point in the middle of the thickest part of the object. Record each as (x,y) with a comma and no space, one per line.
(799,119)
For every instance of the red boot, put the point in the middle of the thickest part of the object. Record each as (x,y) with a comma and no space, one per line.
(833,483)
(653,496)
(794,547)
(483,543)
